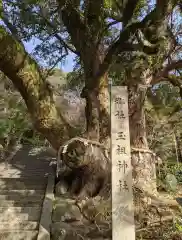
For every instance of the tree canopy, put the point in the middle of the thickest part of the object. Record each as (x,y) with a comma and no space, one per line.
(137,43)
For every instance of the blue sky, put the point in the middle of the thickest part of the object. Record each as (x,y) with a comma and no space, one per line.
(69,64)
(66,67)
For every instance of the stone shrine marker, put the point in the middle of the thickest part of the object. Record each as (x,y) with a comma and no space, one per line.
(123,227)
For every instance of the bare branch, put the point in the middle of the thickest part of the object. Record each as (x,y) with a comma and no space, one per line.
(112,23)
(174,65)
(56,35)
(51,69)
(164,75)
(51,25)
(26,75)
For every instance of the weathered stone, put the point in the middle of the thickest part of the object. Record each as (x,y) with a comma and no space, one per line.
(18,225)
(61,188)
(63,199)
(79,231)
(98,210)
(17,235)
(171,182)
(66,212)
(64,231)
(104,231)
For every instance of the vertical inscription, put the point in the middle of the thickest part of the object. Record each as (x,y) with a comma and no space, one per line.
(123,227)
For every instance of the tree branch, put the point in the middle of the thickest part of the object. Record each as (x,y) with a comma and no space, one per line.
(112,15)
(51,25)
(111,24)
(25,74)
(94,17)
(155,17)
(175,81)
(51,69)
(75,25)
(8,24)
(129,10)
(174,65)
(164,73)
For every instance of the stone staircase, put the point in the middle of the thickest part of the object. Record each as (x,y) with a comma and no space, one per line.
(23,185)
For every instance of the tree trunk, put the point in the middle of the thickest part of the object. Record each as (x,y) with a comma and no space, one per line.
(87,174)
(97,111)
(91,114)
(143,160)
(26,76)
(104,111)
(177,146)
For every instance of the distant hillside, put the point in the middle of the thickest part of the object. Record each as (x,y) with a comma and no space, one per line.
(58,78)
(66,100)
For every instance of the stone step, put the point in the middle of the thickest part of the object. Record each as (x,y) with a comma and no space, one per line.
(24,166)
(13,210)
(24,163)
(20,169)
(24,179)
(23,183)
(19,197)
(27,192)
(18,225)
(30,214)
(16,174)
(18,235)
(38,169)
(22,202)
(30,176)
(34,170)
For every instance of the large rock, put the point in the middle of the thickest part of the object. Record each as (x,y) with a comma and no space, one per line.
(66,210)
(171,182)
(80,231)
(65,231)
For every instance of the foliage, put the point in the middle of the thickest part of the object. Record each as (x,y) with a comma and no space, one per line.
(163,119)
(75,80)
(178,224)
(15,120)
(135,42)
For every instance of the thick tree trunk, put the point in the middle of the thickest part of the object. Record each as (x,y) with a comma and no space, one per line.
(92,114)
(23,71)
(143,160)
(87,174)
(97,112)
(104,111)
(96,94)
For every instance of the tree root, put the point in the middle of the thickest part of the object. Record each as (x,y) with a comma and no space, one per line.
(157,199)
(155,224)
